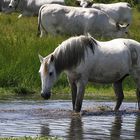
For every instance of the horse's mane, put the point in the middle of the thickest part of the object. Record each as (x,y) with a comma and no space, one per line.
(72,51)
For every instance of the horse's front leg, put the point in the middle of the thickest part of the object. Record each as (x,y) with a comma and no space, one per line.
(74,94)
(119,94)
(80,96)
(73,91)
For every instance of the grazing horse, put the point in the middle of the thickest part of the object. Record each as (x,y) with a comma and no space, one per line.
(85,59)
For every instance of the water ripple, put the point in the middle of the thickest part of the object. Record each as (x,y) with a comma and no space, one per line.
(55,118)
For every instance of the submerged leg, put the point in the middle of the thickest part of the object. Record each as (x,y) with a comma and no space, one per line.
(138,97)
(119,94)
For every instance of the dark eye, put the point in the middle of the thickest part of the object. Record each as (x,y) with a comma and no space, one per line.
(51,73)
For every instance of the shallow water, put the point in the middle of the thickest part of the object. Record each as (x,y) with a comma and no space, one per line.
(55,118)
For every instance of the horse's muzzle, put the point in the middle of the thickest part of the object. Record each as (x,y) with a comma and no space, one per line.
(46,95)
(10,6)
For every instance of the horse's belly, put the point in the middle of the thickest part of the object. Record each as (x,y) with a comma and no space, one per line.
(106,78)
(109,70)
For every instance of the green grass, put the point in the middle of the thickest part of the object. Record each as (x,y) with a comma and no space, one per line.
(19,63)
(19,51)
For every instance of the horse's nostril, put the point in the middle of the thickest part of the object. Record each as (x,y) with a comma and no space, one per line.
(126,33)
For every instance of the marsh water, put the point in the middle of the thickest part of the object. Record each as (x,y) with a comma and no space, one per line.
(55,118)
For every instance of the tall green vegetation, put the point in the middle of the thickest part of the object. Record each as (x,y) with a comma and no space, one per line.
(19,49)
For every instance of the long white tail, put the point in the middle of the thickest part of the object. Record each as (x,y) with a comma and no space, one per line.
(39,20)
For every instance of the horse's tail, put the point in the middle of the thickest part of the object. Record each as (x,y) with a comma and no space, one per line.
(39,20)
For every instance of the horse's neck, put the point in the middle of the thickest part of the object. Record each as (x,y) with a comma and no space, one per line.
(59,65)
(64,61)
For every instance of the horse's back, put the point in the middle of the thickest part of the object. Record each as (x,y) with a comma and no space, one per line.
(120,43)
(114,59)
(113,46)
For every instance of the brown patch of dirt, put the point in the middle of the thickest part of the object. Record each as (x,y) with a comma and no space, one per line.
(61,113)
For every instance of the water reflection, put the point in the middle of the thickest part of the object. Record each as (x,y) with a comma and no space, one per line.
(137,128)
(45,130)
(94,127)
(20,119)
(75,131)
(115,132)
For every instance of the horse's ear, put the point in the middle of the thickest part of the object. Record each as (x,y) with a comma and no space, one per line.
(52,58)
(40,58)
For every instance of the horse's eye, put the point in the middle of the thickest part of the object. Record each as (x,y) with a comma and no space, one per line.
(51,73)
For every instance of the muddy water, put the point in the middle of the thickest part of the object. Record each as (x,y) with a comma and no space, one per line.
(55,118)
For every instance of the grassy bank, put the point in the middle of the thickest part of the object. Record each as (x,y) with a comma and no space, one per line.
(19,63)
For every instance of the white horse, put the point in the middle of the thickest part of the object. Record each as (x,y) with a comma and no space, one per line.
(85,59)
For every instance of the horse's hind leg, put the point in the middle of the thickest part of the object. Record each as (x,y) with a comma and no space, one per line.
(119,94)
(138,97)
(136,75)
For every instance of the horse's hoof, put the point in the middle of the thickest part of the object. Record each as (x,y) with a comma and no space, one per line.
(76,114)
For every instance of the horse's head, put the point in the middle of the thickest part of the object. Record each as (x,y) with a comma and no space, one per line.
(118,30)
(14,3)
(48,75)
(123,29)
(84,3)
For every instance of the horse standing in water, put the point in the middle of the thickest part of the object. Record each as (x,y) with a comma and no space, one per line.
(85,59)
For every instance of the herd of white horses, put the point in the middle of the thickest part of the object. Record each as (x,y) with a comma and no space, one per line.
(82,57)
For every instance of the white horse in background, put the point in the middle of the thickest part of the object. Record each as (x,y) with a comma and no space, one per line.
(68,20)
(85,59)
(121,12)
